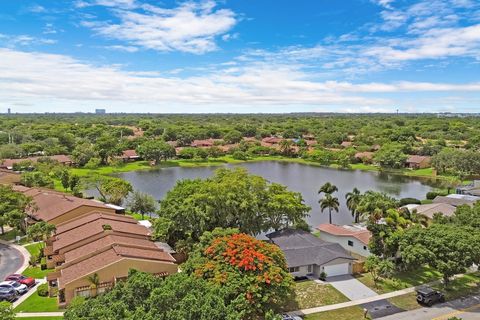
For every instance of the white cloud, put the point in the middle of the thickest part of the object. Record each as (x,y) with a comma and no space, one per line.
(130,49)
(190,27)
(24,40)
(384,3)
(106,3)
(433,44)
(32,77)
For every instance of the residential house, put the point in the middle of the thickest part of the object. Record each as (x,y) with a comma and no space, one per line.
(102,244)
(353,238)
(307,254)
(56,207)
(130,155)
(428,210)
(61,158)
(472,189)
(418,162)
(365,157)
(346,144)
(456,200)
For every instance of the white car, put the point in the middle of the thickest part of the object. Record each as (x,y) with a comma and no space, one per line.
(17,286)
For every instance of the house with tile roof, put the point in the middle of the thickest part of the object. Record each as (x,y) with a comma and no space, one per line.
(102,244)
(353,238)
(418,162)
(56,207)
(307,254)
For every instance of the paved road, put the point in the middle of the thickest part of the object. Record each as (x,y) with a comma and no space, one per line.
(10,260)
(465,309)
(351,287)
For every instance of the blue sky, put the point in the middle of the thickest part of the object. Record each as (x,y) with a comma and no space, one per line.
(240,56)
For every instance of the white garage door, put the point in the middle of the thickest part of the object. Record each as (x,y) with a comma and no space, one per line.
(337,270)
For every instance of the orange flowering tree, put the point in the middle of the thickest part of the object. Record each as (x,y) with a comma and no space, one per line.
(252,273)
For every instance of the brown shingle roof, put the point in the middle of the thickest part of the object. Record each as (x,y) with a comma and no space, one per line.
(69,225)
(52,204)
(95,227)
(61,158)
(452,201)
(107,241)
(429,210)
(362,235)
(129,154)
(115,254)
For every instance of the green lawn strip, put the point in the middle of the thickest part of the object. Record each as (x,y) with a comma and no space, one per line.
(34,248)
(462,286)
(401,280)
(350,313)
(309,294)
(36,272)
(406,302)
(35,303)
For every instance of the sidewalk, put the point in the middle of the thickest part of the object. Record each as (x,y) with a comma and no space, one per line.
(29,293)
(353,303)
(39,314)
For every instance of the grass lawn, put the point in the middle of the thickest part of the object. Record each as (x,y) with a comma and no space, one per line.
(406,302)
(34,248)
(350,313)
(401,280)
(460,287)
(36,272)
(309,294)
(35,303)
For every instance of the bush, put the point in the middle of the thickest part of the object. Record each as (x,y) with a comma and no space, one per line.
(433,194)
(42,290)
(239,155)
(34,260)
(405,201)
(323,276)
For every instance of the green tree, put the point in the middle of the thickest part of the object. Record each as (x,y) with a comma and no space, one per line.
(106,147)
(83,152)
(230,198)
(36,179)
(233,136)
(448,248)
(327,188)
(6,311)
(286,147)
(142,203)
(155,150)
(111,190)
(378,268)
(65,178)
(13,207)
(353,199)
(40,231)
(391,156)
(329,202)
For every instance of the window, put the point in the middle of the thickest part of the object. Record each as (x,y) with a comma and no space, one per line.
(310,269)
(350,243)
(364,247)
(294,269)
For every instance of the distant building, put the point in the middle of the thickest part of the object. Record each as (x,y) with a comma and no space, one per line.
(9,111)
(100,111)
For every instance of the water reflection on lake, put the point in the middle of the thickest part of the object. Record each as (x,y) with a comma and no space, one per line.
(298,177)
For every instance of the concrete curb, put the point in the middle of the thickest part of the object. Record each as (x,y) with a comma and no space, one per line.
(23,251)
(39,314)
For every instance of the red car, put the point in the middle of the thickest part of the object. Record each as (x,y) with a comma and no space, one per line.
(29,282)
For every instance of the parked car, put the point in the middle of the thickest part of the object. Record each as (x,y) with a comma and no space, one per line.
(28,281)
(429,297)
(7,293)
(289,317)
(17,286)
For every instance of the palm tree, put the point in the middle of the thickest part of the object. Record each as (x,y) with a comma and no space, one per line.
(329,202)
(286,147)
(328,188)
(94,282)
(353,199)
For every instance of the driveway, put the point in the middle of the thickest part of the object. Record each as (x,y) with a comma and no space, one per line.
(351,287)
(10,260)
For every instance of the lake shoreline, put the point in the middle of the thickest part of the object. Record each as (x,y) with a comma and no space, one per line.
(187,163)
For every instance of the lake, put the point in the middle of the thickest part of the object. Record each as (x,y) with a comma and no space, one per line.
(302,178)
